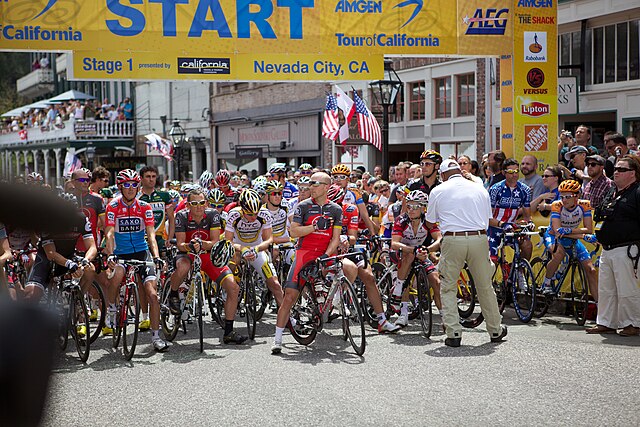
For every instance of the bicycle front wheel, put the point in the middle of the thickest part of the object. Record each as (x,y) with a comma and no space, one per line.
(97,305)
(199,309)
(79,324)
(305,316)
(170,322)
(579,293)
(424,303)
(499,283)
(352,321)
(538,268)
(250,306)
(130,321)
(523,290)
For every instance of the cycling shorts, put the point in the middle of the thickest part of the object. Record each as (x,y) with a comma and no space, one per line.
(303,256)
(216,274)
(40,274)
(146,273)
(579,249)
(495,236)
(396,258)
(263,265)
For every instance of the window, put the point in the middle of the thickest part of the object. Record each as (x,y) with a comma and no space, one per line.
(466,95)
(598,55)
(443,97)
(634,51)
(416,100)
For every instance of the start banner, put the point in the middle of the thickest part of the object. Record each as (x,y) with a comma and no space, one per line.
(327,27)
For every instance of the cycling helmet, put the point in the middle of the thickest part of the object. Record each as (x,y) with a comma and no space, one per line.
(174,185)
(305,167)
(175,195)
(221,253)
(70,198)
(431,155)
(216,196)
(335,193)
(418,196)
(87,171)
(35,178)
(273,186)
(260,187)
(188,187)
(205,179)
(223,177)
(249,201)
(569,186)
(127,175)
(304,180)
(278,168)
(340,169)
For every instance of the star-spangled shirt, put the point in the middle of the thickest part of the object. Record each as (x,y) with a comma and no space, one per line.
(506,201)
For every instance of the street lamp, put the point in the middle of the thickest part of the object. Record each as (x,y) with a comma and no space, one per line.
(178,137)
(386,91)
(91,155)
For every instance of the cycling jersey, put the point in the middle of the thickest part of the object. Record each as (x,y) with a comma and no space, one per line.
(280,220)
(570,218)
(92,205)
(185,223)
(420,237)
(506,201)
(349,218)
(307,212)
(290,191)
(160,201)
(182,205)
(66,242)
(245,232)
(419,184)
(130,224)
(374,211)
(352,197)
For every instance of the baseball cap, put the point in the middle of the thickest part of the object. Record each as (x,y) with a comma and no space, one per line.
(449,165)
(597,158)
(576,149)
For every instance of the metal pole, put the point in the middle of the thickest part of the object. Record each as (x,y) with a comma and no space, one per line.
(385,142)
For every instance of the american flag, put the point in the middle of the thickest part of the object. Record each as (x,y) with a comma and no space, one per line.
(330,123)
(367,124)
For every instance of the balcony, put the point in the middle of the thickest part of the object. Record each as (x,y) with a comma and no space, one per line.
(36,83)
(71,130)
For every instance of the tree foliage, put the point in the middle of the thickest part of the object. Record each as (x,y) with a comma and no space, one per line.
(12,67)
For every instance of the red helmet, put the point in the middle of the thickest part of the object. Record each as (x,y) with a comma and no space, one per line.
(335,193)
(127,175)
(223,177)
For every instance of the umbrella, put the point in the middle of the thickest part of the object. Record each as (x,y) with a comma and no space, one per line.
(70,95)
(17,111)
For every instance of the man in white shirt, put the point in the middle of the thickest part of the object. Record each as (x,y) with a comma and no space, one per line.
(464,240)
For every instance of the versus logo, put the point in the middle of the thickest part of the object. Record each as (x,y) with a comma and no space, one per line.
(489,23)
(535,77)
(204,66)
(535,109)
(359,6)
(418,8)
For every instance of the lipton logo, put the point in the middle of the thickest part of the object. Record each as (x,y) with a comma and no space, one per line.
(535,109)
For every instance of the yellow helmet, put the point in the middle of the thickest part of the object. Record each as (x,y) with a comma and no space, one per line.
(340,169)
(569,186)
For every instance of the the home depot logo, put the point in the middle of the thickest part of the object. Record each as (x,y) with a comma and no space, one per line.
(536,137)
(535,109)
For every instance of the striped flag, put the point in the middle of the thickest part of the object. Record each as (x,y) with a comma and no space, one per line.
(71,163)
(330,123)
(348,109)
(367,124)
(160,144)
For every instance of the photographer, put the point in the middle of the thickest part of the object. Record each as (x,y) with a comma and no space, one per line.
(565,143)
(616,147)
(619,234)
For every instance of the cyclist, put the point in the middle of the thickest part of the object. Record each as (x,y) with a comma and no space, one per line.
(206,180)
(508,198)
(393,211)
(198,228)
(429,162)
(278,172)
(566,216)
(340,174)
(413,238)
(128,219)
(249,229)
(216,201)
(305,170)
(34,178)
(223,182)
(304,190)
(317,223)
(280,223)
(348,238)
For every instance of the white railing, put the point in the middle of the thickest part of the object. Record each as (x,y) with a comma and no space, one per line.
(34,78)
(72,130)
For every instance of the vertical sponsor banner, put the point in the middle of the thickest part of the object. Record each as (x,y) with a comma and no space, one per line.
(535,71)
(485,27)
(506,104)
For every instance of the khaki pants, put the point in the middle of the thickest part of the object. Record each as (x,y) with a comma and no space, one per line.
(618,290)
(474,250)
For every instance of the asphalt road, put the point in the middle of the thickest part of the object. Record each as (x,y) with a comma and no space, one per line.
(547,372)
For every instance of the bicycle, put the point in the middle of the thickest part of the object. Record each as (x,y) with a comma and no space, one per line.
(570,267)
(316,300)
(67,298)
(128,308)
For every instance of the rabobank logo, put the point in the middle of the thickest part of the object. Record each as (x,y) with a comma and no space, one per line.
(417,4)
(204,66)
(489,22)
(359,6)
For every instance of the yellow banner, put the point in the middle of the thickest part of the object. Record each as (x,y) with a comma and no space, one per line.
(327,27)
(535,70)
(109,65)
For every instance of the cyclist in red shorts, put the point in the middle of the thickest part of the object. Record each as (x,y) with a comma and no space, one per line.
(317,223)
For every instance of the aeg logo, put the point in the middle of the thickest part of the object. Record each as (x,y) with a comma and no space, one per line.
(489,23)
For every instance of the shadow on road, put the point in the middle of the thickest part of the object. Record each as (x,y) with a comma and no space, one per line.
(464,350)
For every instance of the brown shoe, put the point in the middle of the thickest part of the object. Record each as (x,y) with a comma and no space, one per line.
(629,331)
(599,329)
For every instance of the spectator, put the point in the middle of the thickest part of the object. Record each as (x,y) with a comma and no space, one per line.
(400,178)
(78,111)
(377,171)
(466,167)
(127,108)
(531,179)
(551,178)
(583,138)
(44,62)
(566,141)
(616,146)
(632,145)
(112,115)
(599,186)
(577,158)
(99,179)
(105,107)
(488,173)
(496,159)
(35,65)
(412,171)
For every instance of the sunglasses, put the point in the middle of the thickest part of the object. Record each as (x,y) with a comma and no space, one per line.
(305,172)
(304,189)
(276,193)
(339,177)
(568,197)
(130,184)
(593,164)
(463,163)
(622,169)
(414,206)
(511,171)
(198,202)
(249,213)
(220,206)
(317,183)
(548,176)
(427,163)
(83,180)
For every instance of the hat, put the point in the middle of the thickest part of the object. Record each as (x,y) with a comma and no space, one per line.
(597,158)
(449,165)
(576,149)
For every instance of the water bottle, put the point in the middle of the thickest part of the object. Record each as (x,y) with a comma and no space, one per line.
(561,269)
(319,288)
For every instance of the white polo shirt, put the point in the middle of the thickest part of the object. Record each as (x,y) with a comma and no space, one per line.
(459,205)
